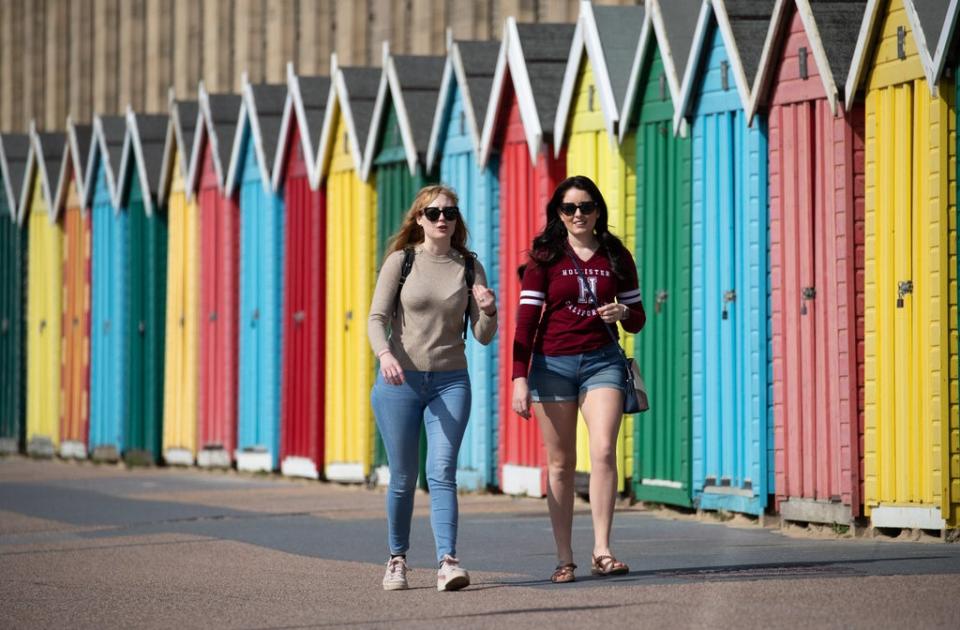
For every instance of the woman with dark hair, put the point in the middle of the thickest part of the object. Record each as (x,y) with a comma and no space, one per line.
(417,328)
(579,281)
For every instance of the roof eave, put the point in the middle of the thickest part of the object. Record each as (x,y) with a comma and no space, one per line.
(860,52)
(693,60)
(493,106)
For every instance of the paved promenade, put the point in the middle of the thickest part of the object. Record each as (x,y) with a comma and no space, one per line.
(94,546)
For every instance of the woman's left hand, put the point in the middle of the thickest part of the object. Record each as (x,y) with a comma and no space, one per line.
(485,299)
(612,313)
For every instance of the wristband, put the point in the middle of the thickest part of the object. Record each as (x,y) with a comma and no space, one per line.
(383,352)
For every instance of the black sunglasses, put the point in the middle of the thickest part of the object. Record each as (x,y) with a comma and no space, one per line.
(586,208)
(449,213)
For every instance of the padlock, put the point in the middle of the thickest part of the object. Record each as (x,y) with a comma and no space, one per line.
(899,302)
(725,315)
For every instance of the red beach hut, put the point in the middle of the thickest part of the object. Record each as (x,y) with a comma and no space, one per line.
(296,176)
(219,247)
(516,142)
(816,257)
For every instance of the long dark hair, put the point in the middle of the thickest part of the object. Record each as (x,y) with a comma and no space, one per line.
(551,244)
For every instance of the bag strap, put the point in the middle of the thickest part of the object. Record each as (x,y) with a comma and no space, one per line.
(408,256)
(596,305)
(469,275)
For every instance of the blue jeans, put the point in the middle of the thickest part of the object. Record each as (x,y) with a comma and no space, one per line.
(441,401)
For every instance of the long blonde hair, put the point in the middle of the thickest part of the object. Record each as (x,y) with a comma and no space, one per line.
(410,232)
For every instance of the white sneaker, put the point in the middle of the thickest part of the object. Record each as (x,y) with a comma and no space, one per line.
(395,579)
(450,577)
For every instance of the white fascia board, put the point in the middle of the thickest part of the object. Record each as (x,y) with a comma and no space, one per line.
(601,74)
(860,52)
(493,106)
(68,164)
(374,131)
(403,118)
(569,83)
(289,117)
(27,187)
(946,37)
(768,58)
(693,60)
(472,123)
(439,119)
(230,183)
(920,38)
(118,187)
(325,132)
(256,136)
(133,146)
(819,53)
(733,52)
(532,126)
(639,59)
(674,74)
(93,153)
(8,191)
(170,144)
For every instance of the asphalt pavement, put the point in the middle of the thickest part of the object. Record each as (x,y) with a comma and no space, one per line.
(104,546)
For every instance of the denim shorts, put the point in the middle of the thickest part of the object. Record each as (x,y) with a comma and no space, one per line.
(565,378)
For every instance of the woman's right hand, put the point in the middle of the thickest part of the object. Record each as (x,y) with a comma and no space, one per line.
(521,397)
(390,369)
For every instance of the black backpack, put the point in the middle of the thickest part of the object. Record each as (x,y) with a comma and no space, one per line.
(469,274)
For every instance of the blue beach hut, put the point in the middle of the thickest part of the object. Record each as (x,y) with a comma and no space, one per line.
(731,373)
(455,146)
(109,290)
(261,275)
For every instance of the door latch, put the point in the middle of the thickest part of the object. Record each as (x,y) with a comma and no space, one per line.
(728,297)
(142,327)
(348,317)
(183,320)
(299,316)
(660,301)
(903,288)
(5,325)
(213,316)
(43,325)
(808,293)
(106,326)
(255,316)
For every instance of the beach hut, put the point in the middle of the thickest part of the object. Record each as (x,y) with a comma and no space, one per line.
(181,361)
(732,433)
(816,215)
(454,151)
(304,298)
(261,275)
(517,142)
(587,123)
(661,440)
(110,290)
(44,291)
(75,346)
(910,447)
(137,197)
(219,264)
(14,148)
(349,273)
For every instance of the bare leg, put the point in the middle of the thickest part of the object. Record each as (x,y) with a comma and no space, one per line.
(558,424)
(602,411)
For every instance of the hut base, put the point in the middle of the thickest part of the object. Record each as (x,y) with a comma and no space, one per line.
(258,460)
(40,446)
(521,480)
(470,480)
(178,457)
(813,511)
(381,476)
(213,457)
(72,449)
(8,446)
(105,454)
(347,473)
(299,467)
(904,517)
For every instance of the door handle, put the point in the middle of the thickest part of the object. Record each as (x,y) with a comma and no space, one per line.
(299,316)
(348,317)
(662,296)
(43,325)
(183,320)
(808,293)
(4,325)
(106,326)
(213,316)
(904,287)
(728,297)
(142,327)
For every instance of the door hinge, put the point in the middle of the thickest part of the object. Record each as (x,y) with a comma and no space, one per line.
(591,90)
(901,42)
(724,75)
(802,53)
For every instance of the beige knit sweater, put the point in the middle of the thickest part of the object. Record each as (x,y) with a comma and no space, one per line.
(427,335)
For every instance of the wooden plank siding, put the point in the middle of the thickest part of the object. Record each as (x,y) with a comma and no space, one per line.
(77,57)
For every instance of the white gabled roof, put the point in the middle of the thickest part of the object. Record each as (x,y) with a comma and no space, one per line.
(340,99)
(947,34)
(932,54)
(206,129)
(587,39)
(294,109)
(72,164)
(100,149)
(251,115)
(175,143)
(45,152)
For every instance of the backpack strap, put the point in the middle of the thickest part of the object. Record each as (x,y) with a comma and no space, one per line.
(469,275)
(408,256)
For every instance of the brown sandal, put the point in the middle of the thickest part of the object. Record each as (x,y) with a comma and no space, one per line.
(608,565)
(564,573)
